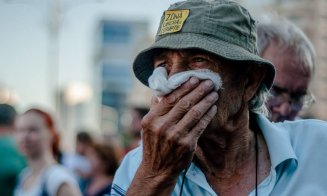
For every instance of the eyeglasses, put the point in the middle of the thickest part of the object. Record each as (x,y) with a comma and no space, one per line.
(297,100)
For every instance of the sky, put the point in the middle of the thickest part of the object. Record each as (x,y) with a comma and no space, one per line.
(24,42)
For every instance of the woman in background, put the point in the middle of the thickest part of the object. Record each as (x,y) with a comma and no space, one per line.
(39,142)
(104,162)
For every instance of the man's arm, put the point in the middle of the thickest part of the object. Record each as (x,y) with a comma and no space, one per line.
(170,133)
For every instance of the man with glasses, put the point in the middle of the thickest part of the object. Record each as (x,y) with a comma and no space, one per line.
(293,55)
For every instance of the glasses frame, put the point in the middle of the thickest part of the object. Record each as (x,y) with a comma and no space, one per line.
(297,102)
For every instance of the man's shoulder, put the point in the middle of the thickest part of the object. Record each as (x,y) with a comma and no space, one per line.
(308,139)
(306,130)
(309,132)
(132,158)
(126,171)
(309,127)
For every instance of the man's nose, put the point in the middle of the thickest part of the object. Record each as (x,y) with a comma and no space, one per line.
(176,64)
(176,68)
(283,109)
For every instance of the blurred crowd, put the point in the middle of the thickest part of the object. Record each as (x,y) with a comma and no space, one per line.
(32,162)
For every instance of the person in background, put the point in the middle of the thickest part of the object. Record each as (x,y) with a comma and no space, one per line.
(83,142)
(104,162)
(77,162)
(293,55)
(11,160)
(39,142)
(137,113)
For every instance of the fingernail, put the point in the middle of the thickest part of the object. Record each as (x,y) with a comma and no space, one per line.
(214,109)
(208,83)
(194,80)
(214,96)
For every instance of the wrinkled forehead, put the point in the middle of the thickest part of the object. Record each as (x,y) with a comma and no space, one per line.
(289,63)
(161,54)
(289,58)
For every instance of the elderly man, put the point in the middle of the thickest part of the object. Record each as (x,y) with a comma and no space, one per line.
(207,135)
(293,55)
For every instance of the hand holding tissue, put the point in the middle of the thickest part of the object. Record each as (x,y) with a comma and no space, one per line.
(162,85)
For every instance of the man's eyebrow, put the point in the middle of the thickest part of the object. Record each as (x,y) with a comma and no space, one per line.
(160,55)
(280,89)
(202,53)
(284,90)
(299,93)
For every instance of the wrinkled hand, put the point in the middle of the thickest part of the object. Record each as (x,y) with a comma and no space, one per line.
(173,126)
(171,131)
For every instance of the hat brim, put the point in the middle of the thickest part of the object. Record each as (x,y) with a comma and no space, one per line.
(143,63)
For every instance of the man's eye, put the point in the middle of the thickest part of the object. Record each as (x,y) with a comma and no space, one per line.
(278,90)
(298,96)
(199,59)
(161,65)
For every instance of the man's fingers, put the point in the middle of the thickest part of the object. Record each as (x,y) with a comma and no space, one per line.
(198,112)
(181,119)
(177,94)
(198,129)
(169,101)
(188,101)
(191,139)
(154,100)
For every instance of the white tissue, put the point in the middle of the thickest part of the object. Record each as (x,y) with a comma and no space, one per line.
(162,85)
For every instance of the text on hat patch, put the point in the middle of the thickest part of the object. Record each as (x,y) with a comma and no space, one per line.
(173,21)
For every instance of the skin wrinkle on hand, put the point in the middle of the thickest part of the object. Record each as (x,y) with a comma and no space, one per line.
(162,85)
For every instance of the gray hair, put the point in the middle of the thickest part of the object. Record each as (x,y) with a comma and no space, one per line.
(289,35)
(258,103)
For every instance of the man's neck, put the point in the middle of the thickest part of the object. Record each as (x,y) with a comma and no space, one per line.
(224,150)
(222,154)
(228,158)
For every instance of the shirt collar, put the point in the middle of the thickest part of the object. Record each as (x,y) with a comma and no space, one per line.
(278,142)
(195,174)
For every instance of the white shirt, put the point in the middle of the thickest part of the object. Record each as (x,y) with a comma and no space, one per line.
(51,178)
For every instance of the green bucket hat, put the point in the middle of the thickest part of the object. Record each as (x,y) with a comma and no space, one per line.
(221,27)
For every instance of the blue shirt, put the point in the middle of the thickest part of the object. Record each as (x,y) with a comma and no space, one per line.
(298,162)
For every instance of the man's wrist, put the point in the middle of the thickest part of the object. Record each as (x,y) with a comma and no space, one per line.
(146,182)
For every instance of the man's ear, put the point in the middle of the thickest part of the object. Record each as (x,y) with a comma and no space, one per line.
(256,74)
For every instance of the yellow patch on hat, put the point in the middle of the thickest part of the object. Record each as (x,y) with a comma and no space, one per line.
(173,21)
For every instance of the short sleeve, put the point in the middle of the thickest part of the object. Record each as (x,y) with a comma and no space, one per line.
(126,171)
(57,176)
